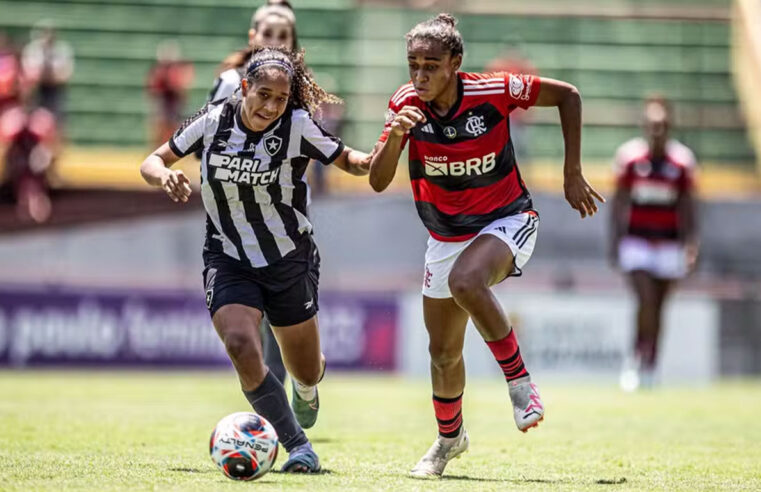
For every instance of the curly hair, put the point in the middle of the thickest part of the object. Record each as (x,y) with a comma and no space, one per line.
(440,29)
(306,93)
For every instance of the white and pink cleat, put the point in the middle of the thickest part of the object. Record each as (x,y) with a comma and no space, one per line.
(528,408)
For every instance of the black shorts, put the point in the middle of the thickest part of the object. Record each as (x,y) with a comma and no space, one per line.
(285,291)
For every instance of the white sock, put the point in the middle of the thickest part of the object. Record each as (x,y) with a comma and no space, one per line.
(305,392)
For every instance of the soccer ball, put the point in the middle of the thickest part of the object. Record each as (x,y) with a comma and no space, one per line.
(244,446)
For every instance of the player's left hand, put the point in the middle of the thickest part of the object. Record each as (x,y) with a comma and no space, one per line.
(580,195)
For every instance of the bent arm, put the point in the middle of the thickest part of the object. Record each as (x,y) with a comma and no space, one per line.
(568,101)
(579,194)
(157,164)
(384,161)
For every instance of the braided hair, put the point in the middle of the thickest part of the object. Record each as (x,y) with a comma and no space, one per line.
(440,29)
(306,93)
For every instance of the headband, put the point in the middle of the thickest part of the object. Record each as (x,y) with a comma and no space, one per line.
(254,66)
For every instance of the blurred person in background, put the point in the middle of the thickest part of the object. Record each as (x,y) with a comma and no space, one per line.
(10,74)
(168,83)
(513,62)
(470,196)
(274,24)
(48,64)
(654,235)
(30,144)
(259,255)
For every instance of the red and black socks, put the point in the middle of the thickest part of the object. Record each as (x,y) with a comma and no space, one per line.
(508,355)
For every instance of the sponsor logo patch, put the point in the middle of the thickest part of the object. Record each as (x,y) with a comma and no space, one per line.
(437,166)
(518,88)
(241,170)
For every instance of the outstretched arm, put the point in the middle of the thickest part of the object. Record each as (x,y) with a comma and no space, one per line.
(155,171)
(579,194)
(354,162)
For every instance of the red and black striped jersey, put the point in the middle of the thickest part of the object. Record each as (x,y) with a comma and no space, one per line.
(654,187)
(462,166)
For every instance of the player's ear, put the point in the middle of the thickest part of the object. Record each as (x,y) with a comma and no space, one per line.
(251,36)
(244,86)
(456,62)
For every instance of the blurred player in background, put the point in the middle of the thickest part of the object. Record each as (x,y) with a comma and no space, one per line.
(30,143)
(259,254)
(654,236)
(10,74)
(272,25)
(48,64)
(480,216)
(168,82)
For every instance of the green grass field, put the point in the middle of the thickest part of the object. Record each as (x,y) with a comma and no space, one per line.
(149,431)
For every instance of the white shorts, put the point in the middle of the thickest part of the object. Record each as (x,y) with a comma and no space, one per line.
(517,231)
(663,259)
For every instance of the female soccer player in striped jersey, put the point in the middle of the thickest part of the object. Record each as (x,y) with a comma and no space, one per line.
(259,255)
(272,25)
(470,196)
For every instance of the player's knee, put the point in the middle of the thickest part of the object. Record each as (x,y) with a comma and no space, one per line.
(239,344)
(308,377)
(444,356)
(465,286)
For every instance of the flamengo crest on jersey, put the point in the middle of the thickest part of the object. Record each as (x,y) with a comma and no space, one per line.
(252,183)
(462,166)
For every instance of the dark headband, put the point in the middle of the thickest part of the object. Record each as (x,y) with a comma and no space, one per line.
(254,66)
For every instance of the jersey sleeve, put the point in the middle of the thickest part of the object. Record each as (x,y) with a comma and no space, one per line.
(395,104)
(318,144)
(189,137)
(225,85)
(522,90)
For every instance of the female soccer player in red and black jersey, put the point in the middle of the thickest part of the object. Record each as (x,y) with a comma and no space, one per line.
(470,196)
(654,229)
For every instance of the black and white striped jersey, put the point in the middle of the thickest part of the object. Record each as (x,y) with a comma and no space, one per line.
(226,84)
(252,183)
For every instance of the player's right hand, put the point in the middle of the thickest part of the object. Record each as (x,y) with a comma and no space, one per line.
(176,185)
(406,119)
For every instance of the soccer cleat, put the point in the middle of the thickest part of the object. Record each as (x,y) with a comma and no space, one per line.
(302,459)
(630,374)
(528,408)
(444,449)
(305,410)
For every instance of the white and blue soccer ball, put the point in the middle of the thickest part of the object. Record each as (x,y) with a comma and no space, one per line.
(244,446)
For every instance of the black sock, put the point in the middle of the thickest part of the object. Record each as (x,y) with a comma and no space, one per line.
(270,401)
